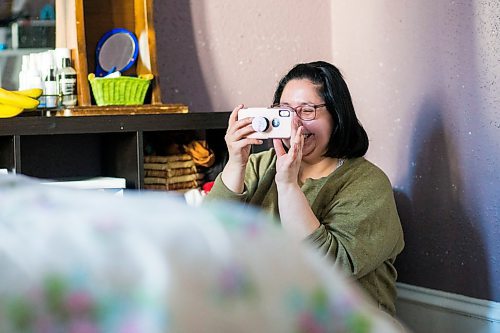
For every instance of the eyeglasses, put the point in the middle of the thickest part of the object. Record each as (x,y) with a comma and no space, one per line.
(305,111)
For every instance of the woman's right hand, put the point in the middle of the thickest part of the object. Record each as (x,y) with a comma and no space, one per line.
(238,144)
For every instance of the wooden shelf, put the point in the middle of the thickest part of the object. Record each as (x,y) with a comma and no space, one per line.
(101,146)
(104,141)
(20,52)
(37,125)
(84,111)
(81,24)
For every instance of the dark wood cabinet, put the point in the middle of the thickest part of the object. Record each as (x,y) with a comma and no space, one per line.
(93,146)
(104,141)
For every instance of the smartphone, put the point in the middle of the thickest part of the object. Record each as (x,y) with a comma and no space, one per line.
(269,123)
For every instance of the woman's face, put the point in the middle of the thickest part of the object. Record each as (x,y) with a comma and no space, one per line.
(316,132)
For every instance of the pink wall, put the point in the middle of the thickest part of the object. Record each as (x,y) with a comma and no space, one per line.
(424,78)
(215,54)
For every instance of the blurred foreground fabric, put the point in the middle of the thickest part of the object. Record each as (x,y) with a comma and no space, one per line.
(82,261)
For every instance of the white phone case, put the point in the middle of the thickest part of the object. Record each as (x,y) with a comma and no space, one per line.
(269,123)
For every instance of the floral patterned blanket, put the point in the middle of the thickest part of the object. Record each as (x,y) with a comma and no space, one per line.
(82,261)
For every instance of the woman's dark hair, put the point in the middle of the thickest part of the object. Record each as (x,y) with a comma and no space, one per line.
(348,138)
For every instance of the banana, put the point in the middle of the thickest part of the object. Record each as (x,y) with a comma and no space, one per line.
(33,93)
(11,98)
(9,111)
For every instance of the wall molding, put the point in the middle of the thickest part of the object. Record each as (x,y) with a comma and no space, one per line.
(418,301)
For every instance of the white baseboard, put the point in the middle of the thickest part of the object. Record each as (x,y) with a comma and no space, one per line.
(428,310)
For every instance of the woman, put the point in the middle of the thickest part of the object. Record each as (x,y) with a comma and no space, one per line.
(317,183)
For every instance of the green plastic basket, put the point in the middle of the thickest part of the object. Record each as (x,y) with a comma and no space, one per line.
(123,90)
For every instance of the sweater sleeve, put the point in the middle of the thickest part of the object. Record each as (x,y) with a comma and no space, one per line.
(221,192)
(360,227)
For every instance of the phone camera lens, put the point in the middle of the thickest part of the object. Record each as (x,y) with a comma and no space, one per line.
(276,122)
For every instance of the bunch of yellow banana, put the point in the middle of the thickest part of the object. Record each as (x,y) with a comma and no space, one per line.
(13,103)
(201,154)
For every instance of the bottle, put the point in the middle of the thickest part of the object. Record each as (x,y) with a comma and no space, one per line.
(45,62)
(23,74)
(35,81)
(50,89)
(66,77)
(33,78)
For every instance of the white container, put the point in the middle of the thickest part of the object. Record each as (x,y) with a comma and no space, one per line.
(50,90)
(23,74)
(66,78)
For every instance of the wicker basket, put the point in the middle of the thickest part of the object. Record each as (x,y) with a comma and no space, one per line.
(124,90)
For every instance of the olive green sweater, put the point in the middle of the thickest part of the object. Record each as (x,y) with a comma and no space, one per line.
(360,229)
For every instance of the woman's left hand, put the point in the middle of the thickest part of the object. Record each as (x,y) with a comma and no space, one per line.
(297,219)
(288,164)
